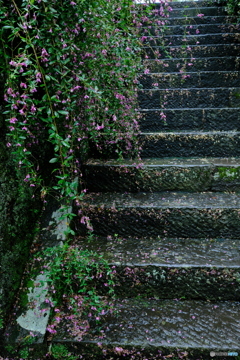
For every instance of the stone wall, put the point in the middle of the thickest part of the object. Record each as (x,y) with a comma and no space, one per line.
(18,214)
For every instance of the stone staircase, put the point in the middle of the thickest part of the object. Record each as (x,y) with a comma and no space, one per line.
(170,223)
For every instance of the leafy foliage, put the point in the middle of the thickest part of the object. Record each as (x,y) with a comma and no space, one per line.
(71,84)
(233,7)
(79,283)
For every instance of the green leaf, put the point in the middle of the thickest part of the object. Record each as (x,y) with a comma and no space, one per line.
(63,112)
(53,160)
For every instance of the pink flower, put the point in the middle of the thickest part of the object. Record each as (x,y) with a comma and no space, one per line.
(27,177)
(13,63)
(200,15)
(13,120)
(99,127)
(33,109)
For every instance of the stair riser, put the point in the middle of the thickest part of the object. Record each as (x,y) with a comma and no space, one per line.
(188,64)
(195,51)
(195,12)
(189,98)
(190,80)
(176,40)
(165,222)
(188,12)
(191,4)
(197,20)
(165,178)
(189,119)
(190,145)
(188,283)
(190,29)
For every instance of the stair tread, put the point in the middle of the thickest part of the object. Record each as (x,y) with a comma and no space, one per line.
(168,324)
(204,72)
(189,109)
(189,36)
(165,162)
(167,252)
(182,89)
(236,45)
(192,132)
(196,51)
(164,200)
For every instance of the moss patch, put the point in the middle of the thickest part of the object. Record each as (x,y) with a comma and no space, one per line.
(227,173)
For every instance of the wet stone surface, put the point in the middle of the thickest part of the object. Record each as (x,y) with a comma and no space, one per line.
(226,63)
(170,214)
(168,252)
(207,119)
(156,174)
(170,324)
(190,29)
(205,200)
(194,11)
(194,51)
(190,144)
(174,40)
(218,19)
(190,98)
(191,79)
(206,269)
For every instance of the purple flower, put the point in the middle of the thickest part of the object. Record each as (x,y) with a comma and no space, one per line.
(13,120)
(23,85)
(27,178)
(33,109)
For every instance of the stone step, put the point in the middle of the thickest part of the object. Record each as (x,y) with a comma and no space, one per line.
(186,12)
(190,29)
(191,144)
(206,269)
(207,119)
(224,63)
(192,4)
(164,214)
(202,39)
(193,20)
(193,51)
(173,174)
(189,98)
(166,11)
(161,329)
(186,79)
